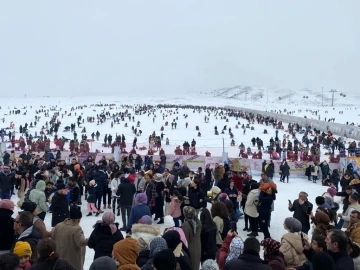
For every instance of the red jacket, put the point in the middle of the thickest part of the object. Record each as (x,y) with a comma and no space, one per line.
(223,252)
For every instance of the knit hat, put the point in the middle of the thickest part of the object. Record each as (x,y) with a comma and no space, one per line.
(92,183)
(293,224)
(140,198)
(22,249)
(236,248)
(165,260)
(7,204)
(322,260)
(60,186)
(28,206)
(126,251)
(156,245)
(172,239)
(103,263)
(209,265)
(75,212)
(145,220)
(331,191)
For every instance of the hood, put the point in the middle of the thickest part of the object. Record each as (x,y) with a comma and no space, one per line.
(294,240)
(31,232)
(40,185)
(145,232)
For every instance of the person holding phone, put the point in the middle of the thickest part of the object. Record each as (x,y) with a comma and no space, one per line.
(302,209)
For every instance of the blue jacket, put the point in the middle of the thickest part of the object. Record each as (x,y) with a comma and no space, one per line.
(100,178)
(137,212)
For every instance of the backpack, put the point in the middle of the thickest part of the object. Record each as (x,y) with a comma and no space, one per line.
(226,228)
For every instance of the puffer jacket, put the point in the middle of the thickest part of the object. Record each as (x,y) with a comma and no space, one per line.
(37,196)
(292,248)
(250,206)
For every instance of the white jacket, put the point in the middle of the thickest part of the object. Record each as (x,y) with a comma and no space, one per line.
(114,186)
(250,207)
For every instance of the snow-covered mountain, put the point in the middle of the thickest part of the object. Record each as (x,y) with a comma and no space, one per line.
(263,95)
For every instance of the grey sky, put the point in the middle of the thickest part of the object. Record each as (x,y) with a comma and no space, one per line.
(145,46)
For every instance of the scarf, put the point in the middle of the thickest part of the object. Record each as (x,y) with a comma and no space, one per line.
(108,219)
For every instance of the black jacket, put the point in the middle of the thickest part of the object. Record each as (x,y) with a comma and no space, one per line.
(6,181)
(208,242)
(32,235)
(126,191)
(143,257)
(102,240)
(247,261)
(60,209)
(7,234)
(265,206)
(60,264)
(195,195)
(101,180)
(75,194)
(342,259)
(301,212)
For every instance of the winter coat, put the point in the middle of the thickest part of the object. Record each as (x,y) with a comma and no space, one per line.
(292,248)
(75,194)
(266,202)
(37,196)
(6,181)
(223,252)
(195,195)
(247,261)
(150,191)
(194,242)
(175,210)
(355,206)
(285,169)
(32,235)
(60,209)
(341,259)
(250,207)
(102,240)
(233,191)
(137,212)
(208,242)
(219,228)
(70,242)
(315,170)
(143,257)
(145,232)
(91,198)
(353,232)
(126,191)
(101,180)
(7,233)
(114,186)
(59,265)
(6,158)
(301,212)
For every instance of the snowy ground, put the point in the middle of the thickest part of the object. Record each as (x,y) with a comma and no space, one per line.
(208,141)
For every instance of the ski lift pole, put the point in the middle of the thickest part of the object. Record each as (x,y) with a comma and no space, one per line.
(223,144)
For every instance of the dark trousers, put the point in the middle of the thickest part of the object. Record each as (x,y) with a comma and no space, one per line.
(253,224)
(99,194)
(114,201)
(263,223)
(125,212)
(42,216)
(176,222)
(107,195)
(5,194)
(283,178)
(246,220)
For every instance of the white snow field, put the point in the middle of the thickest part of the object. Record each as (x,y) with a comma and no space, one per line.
(208,141)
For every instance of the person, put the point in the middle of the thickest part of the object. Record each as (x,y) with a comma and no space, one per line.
(180,251)
(59,205)
(7,180)
(250,258)
(208,236)
(251,210)
(192,231)
(139,209)
(231,248)
(209,264)
(266,199)
(126,252)
(70,240)
(104,235)
(220,215)
(353,231)
(9,261)
(91,199)
(322,260)
(114,187)
(150,191)
(49,258)
(292,243)
(196,196)
(156,245)
(126,191)
(315,172)
(302,208)
(7,233)
(75,197)
(285,171)
(321,220)
(164,260)
(23,250)
(353,205)
(37,222)
(103,263)
(272,251)
(37,196)
(175,207)
(23,226)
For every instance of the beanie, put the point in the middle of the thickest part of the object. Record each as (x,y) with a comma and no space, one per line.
(293,224)
(156,245)
(332,191)
(103,263)
(22,249)
(75,212)
(7,204)
(165,260)
(145,220)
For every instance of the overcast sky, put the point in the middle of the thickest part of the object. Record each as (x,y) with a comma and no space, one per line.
(151,46)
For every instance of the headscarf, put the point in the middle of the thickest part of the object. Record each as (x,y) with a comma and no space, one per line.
(293,224)
(156,245)
(108,219)
(272,248)
(322,221)
(140,198)
(172,239)
(236,248)
(190,216)
(209,264)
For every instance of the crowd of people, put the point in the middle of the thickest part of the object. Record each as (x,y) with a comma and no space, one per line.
(205,206)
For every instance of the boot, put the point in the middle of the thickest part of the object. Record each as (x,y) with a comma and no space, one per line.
(109,206)
(97,214)
(89,215)
(118,213)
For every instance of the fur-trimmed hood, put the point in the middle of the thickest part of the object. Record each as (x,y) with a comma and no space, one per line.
(145,232)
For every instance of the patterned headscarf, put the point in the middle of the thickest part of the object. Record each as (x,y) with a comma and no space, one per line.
(190,216)
(272,248)
(236,248)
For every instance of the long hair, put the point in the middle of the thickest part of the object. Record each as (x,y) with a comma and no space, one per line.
(219,209)
(205,218)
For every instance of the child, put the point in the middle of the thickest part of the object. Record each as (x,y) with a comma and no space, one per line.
(91,199)
(175,210)
(23,250)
